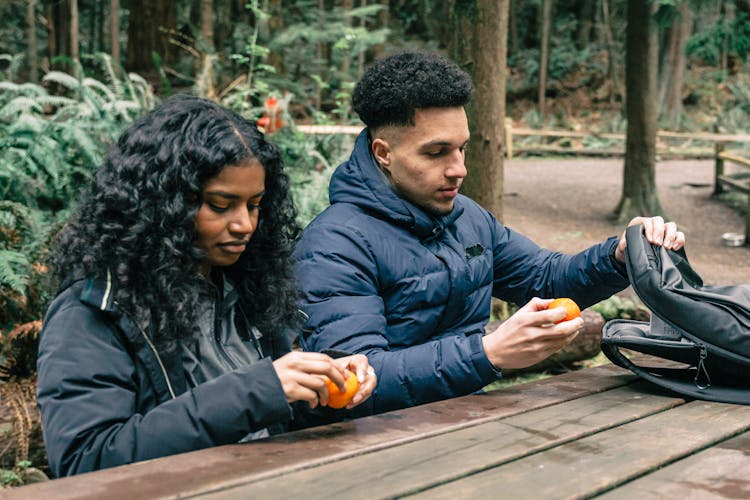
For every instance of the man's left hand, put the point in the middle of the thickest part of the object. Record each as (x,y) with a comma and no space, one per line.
(657,232)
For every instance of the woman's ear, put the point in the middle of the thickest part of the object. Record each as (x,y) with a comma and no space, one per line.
(382,152)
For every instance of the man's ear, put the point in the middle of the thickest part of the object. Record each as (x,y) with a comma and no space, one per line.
(382,152)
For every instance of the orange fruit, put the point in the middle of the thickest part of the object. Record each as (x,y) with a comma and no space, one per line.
(571,308)
(338,399)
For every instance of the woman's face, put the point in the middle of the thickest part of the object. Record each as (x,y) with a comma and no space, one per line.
(229,212)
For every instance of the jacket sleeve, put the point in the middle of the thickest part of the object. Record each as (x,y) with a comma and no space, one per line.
(523,270)
(338,279)
(87,393)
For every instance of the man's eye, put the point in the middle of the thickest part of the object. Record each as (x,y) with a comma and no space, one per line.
(435,154)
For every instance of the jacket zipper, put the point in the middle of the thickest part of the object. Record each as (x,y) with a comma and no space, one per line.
(156,354)
(217,339)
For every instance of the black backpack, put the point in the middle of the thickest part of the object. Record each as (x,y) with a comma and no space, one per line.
(703,330)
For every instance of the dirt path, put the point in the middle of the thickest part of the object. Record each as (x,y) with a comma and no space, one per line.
(564,205)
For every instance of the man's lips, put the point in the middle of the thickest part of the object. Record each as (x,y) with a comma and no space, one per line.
(449,191)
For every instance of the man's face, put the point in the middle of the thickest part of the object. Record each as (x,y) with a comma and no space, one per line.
(425,162)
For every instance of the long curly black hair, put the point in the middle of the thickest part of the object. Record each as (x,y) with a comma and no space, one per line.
(138,220)
(394,87)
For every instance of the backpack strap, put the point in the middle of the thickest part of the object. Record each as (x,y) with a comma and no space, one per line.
(691,381)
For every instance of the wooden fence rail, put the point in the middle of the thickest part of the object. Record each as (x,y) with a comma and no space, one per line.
(738,180)
(513,148)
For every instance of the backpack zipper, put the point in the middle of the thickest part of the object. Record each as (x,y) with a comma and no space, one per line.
(702,355)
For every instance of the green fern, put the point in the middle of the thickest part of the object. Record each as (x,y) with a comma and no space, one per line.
(14,271)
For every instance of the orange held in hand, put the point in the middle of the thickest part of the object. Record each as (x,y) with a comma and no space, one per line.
(571,308)
(338,399)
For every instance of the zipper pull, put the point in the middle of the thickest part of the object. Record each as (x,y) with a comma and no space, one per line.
(705,381)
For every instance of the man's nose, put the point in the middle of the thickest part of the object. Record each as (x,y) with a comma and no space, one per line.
(457,166)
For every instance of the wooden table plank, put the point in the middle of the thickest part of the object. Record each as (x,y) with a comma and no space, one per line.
(418,465)
(226,466)
(721,471)
(602,461)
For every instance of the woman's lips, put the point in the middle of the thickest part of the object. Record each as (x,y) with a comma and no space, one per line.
(233,247)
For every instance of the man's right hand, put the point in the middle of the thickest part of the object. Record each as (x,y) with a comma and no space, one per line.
(530,335)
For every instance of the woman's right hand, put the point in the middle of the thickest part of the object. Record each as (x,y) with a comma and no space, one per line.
(303,376)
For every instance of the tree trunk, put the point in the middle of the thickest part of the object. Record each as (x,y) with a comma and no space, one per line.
(513,42)
(92,28)
(74,29)
(614,88)
(479,45)
(100,27)
(58,41)
(544,33)
(379,49)
(361,54)
(114,30)
(347,6)
(673,67)
(148,27)
(639,194)
(586,23)
(32,47)
(207,25)
(275,25)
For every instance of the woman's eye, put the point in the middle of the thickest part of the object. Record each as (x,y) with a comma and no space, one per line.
(217,208)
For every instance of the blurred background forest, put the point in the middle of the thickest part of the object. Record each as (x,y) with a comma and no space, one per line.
(74,73)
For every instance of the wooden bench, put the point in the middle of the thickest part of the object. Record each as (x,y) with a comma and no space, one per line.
(598,430)
(738,180)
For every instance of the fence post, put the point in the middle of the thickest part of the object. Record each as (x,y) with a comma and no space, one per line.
(719,168)
(508,132)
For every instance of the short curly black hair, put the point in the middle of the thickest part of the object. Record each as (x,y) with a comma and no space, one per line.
(138,220)
(392,88)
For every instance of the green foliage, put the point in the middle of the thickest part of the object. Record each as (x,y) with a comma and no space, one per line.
(310,162)
(50,146)
(308,31)
(623,308)
(732,35)
(22,474)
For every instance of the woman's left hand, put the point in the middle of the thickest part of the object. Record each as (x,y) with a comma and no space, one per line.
(360,366)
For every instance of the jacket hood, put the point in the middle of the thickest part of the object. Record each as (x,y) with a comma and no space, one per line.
(360,182)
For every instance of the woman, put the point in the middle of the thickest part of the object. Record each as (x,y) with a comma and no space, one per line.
(171,331)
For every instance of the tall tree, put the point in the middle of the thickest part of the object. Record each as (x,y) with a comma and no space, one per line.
(74,31)
(479,45)
(673,65)
(114,30)
(149,26)
(545,22)
(614,86)
(58,40)
(639,193)
(207,25)
(32,47)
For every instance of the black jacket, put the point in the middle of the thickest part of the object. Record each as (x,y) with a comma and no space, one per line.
(108,398)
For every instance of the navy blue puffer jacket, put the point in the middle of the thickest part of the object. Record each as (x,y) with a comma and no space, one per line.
(380,276)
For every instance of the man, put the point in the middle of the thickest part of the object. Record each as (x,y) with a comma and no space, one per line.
(402,268)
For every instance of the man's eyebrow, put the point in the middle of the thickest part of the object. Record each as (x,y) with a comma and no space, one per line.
(441,143)
(233,196)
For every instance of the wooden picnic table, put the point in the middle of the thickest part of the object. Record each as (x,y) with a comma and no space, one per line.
(597,431)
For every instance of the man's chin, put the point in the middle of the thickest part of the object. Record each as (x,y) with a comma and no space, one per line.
(440,209)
